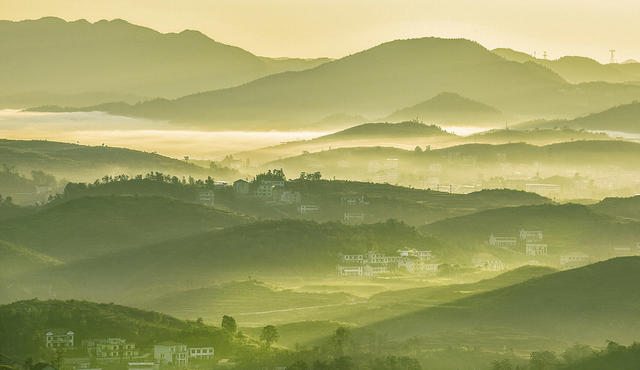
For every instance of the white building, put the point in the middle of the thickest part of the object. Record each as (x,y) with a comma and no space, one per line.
(536,249)
(353,218)
(201,353)
(531,235)
(487,262)
(241,187)
(308,209)
(142,366)
(502,241)
(350,270)
(290,197)
(111,349)
(57,338)
(171,353)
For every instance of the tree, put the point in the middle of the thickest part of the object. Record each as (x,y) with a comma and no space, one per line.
(229,323)
(544,360)
(417,149)
(269,335)
(502,365)
(576,353)
(340,338)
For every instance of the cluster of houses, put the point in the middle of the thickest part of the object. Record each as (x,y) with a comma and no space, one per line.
(374,263)
(531,243)
(109,350)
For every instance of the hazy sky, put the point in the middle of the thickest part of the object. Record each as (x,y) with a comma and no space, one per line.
(310,28)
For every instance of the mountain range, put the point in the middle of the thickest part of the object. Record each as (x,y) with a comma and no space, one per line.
(52,61)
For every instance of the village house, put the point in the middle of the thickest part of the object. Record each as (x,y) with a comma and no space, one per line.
(373,263)
(308,209)
(502,241)
(241,187)
(536,249)
(487,262)
(108,349)
(529,235)
(265,188)
(142,366)
(58,338)
(287,197)
(350,270)
(171,353)
(353,218)
(354,200)
(573,260)
(201,353)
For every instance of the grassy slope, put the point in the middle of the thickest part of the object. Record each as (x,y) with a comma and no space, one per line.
(261,250)
(623,207)
(16,260)
(23,323)
(569,227)
(586,304)
(81,162)
(92,226)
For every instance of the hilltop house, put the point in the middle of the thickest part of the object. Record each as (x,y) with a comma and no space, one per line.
(201,353)
(111,349)
(241,187)
(502,241)
(171,353)
(58,338)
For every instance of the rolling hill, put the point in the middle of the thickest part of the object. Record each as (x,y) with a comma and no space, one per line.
(246,301)
(87,163)
(586,304)
(451,109)
(16,260)
(566,228)
(622,118)
(91,226)
(134,62)
(375,82)
(286,248)
(577,69)
(622,207)
(23,324)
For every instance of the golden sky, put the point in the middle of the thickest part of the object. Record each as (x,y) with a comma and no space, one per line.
(334,28)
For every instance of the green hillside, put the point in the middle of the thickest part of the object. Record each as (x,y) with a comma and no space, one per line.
(623,207)
(15,260)
(247,301)
(450,108)
(24,323)
(262,250)
(82,162)
(586,304)
(134,62)
(92,226)
(566,228)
